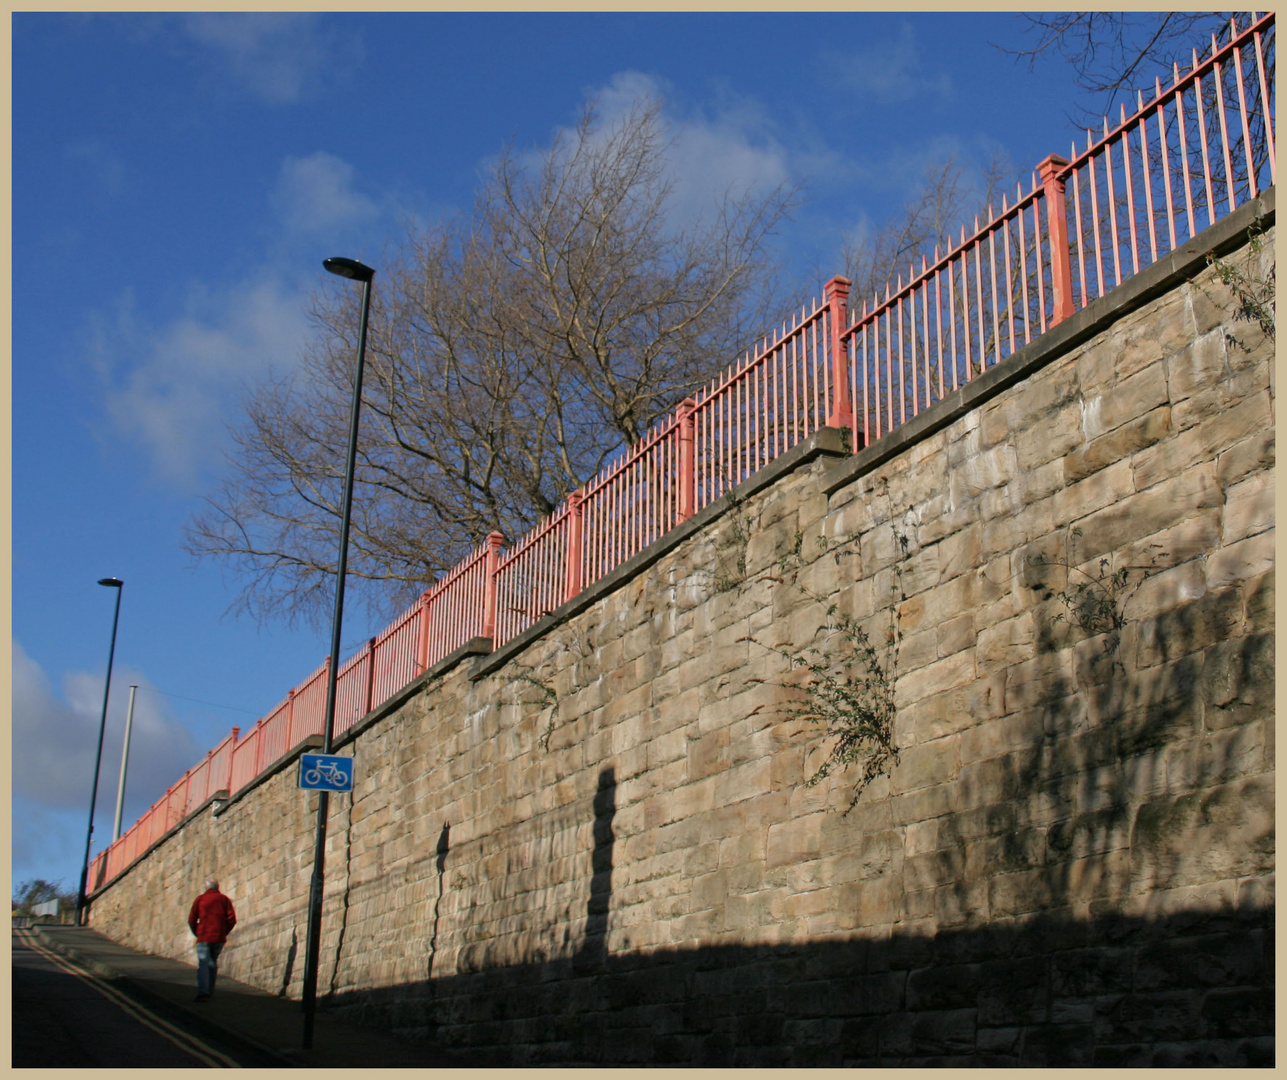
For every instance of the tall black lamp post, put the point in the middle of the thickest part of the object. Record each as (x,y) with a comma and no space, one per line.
(355,271)
(113,583)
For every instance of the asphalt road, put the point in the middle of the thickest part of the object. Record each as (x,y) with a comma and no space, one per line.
(66,1016)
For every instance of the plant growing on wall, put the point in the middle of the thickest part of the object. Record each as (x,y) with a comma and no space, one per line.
(1253,292)
(845,685)
(1095,600)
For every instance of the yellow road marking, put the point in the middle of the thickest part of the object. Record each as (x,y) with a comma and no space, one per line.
(186,1042)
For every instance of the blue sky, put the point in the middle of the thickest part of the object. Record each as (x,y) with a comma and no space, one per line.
(177,180)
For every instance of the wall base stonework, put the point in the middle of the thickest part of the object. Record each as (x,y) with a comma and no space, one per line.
(603,849)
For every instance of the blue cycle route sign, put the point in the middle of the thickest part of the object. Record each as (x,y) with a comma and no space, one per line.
(325,772)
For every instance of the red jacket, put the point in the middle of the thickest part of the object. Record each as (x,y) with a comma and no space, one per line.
(212,916)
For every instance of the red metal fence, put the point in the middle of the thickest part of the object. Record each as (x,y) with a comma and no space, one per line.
(1189,156)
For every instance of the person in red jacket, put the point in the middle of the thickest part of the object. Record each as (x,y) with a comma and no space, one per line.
(211,918)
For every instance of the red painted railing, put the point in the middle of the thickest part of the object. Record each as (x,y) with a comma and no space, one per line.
(1188,157)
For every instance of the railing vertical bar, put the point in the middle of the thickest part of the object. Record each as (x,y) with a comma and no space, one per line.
(1184,157)
(1166,166)
(1009,276)
(1148,182)
(1081,247)
(1041,276)
(925,330)
(951,318)
(1224,134)
(938,321)
(978,297)
(996,314)
(1112,208)
(1095,222)
(1130,194)
(1246,130)
(1202,132)
(1264,109)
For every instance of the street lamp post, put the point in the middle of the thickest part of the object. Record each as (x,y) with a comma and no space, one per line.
(355,271)
(112,583)
(125,761)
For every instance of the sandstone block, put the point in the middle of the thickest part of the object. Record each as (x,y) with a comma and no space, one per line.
(1221,397)
(926,765)
(982,472)
(951,671)
(1106,488)
(1208,836)
(1131,517)
(1197,366)
(1129,399)
(1042,443)
(1002,735)
(1119,443)
(1007,643)
(1207,439)
(1249,507)
(1242,561)
(951,711)
(1249,455)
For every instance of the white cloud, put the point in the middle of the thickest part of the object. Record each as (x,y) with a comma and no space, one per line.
(887,72)
(730,149)
(316,193)
(54,740)
(172,389)
(279,57)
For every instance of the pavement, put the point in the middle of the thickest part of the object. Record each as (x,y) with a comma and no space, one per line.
(267,1025)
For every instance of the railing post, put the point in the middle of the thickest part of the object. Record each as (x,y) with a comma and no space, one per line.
(576,530)
(422,637)
(1057,228)
(232,751)
(841,409)
(290,720)
(687,460)
(370,675)
(494,541)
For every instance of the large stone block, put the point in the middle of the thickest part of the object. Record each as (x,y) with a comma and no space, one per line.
(1117,444)
(1128,400)
(1249,507)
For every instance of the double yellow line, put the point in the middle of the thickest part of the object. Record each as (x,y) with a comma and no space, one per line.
(190,1044)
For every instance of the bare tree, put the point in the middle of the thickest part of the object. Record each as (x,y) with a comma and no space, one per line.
(931,219)
(511,352)
(1117,53)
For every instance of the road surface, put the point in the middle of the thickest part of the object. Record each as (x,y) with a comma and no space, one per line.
(66,1016)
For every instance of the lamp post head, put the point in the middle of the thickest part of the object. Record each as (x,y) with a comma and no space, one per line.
(115,583)
(349,268)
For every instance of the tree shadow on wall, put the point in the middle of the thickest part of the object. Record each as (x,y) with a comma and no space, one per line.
(1151,738)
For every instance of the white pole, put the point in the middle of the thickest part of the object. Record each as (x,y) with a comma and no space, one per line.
(125,758)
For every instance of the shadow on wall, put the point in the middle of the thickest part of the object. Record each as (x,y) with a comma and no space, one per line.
(1193,989)
(1182,991)
(1127,766)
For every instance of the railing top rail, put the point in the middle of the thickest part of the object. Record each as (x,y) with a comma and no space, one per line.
(1199,69)
(534,535)
(929,269)
(736,373)
(458,571)
(1063,171)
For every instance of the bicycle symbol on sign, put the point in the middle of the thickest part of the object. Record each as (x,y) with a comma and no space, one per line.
(320,772)
(332,774)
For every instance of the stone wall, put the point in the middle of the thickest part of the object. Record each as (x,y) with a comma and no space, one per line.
(598,845)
